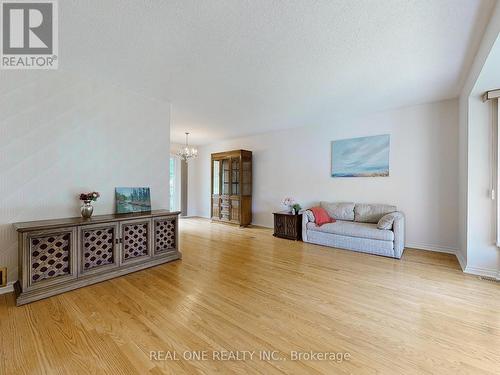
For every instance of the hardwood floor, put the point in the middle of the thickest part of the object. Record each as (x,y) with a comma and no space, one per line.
(245,290)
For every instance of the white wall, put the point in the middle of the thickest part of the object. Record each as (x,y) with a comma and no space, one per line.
(482,252)
(60,136)
(463,178)
(478,252)
(296,162)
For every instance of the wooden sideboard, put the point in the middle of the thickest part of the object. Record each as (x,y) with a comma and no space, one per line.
(64,254)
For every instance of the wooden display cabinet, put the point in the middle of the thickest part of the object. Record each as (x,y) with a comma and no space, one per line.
(231,182)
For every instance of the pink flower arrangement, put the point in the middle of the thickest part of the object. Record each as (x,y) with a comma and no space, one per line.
(291,204)
(288,202)
(92,196)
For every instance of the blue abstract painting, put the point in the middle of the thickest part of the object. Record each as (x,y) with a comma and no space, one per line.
(361,157)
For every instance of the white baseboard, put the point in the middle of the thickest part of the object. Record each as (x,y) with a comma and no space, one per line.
(7,289)
(438,249)
(461,260)
(486,272)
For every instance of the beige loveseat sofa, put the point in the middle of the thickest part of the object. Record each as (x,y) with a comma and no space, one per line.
(370,228)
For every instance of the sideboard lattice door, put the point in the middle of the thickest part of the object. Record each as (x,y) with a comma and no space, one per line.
(51,257)
(165,235)
(99,247)
(135,240)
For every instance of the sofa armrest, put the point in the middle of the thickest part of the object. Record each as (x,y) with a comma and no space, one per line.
(307,217)
(398,228)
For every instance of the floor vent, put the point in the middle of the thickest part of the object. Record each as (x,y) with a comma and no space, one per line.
(487,278)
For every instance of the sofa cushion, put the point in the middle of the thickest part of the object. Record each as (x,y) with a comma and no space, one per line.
(310,216)
(354,229)
(371,213)
(387,221)
(339,211)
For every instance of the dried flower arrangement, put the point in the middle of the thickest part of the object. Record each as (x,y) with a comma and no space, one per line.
(92,196)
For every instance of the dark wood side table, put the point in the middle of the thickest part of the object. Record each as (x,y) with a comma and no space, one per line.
(287,225)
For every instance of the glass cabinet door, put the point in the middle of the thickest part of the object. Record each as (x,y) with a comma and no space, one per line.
(225,176)
(247,178)
(216,177)
(235,176)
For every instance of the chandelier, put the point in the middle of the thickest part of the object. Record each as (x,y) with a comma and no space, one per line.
(186,153)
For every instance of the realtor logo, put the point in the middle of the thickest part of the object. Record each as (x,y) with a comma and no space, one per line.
(29,37)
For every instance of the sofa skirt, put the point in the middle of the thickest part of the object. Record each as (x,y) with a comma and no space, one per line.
(364,245)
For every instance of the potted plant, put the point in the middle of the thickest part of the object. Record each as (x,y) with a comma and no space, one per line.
(296,208)
(87,198)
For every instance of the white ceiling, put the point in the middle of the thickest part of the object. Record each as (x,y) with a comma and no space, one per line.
(233,68)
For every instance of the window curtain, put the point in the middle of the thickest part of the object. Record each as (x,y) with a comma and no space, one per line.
(175,183)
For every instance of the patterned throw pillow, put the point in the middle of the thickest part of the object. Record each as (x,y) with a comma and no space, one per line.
(387,221)
(310,216)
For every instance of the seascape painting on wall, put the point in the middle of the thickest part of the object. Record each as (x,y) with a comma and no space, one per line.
(136,199)
(361,157)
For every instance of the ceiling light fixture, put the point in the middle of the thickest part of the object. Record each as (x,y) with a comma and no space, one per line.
(186,153)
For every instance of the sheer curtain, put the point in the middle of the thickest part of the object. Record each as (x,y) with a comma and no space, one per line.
(175,183)
(492,99)
(494,195)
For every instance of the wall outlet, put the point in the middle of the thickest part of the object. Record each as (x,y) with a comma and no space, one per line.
(3,276)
